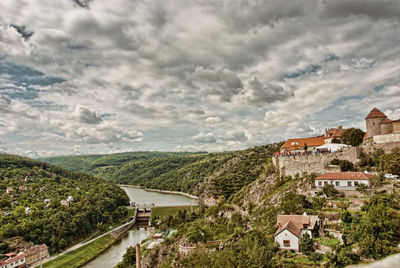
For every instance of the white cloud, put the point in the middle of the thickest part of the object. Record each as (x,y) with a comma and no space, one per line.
(238,73)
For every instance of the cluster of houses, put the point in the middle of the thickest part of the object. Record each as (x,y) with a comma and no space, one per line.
(26,258)
(380,129)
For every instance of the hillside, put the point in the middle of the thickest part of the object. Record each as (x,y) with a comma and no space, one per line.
(194,173)
(30,204)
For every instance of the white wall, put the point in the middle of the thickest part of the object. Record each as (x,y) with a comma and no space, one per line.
(342,183)
(286,235)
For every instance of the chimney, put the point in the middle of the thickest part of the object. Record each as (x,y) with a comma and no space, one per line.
(138,255)
(279,226)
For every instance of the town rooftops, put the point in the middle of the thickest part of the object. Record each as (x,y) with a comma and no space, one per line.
(375,113)
(345,176)
(295,144)
(299,221)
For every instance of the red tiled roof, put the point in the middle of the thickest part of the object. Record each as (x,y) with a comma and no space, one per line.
(386,121)
(298,220)
(291,227)
(293,144)
(334,133)
(345,176)
(375,113)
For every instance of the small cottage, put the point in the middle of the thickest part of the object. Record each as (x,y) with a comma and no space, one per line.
(343,180)
(292,227)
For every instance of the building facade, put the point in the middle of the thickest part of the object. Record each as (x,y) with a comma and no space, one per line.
(298,145)
(333,133)
(343,180)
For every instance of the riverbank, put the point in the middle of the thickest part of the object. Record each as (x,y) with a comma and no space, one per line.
(160,191)
(84,252)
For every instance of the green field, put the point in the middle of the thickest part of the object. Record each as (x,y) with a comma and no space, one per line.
(82,255)
(131,212)
(169,211)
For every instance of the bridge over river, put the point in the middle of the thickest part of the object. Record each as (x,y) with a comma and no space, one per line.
(146,200)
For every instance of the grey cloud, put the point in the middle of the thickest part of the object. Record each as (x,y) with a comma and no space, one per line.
(87,116)
(384,9)
(204,138)
(82,3)
(267,93)
(23,31)
(222,83)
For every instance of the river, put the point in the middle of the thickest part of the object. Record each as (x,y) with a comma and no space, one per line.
(114,254)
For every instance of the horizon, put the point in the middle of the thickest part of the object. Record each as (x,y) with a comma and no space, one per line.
(84,77)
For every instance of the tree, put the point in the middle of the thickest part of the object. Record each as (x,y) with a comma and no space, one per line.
(335,140)
(329,190)
(305,146)
(318,202)
(129,258)
(315,257)
(353,136)
(346,217)
(306,244)
(362,187)
(293,203)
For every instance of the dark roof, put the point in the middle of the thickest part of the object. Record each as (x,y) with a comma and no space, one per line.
(375,113)
(345,176)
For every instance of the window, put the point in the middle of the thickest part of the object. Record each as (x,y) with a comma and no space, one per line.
(355,183)
(286,243)
(349,183)
(320,183)
(337,183)
(325,182)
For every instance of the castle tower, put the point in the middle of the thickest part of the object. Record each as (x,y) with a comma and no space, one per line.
(386,126)
(373,122)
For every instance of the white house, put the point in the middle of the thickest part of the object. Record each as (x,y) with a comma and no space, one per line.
(292,227)
(343,180)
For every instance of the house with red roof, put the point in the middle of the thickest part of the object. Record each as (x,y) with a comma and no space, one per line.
(343,180)
(333,133)
(292,227)
(297,145)
(14,262)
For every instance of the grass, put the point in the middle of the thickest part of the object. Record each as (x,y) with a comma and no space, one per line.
(131,212)
(301,260)
(169,211)
(82,255)
(330,242)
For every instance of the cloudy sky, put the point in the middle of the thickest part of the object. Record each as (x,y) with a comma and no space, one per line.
(81,76)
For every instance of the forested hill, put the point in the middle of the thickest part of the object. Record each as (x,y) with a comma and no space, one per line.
(195,173)
(30,204)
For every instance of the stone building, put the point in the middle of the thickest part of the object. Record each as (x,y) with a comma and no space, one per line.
(380,128)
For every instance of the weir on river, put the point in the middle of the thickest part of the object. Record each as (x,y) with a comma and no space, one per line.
(114,254)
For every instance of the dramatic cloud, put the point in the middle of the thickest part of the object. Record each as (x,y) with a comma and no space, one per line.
(84,76)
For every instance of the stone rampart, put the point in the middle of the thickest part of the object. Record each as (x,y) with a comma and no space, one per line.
(319,163)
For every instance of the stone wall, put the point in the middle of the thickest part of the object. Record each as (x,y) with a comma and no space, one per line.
(387,138)
(292,165)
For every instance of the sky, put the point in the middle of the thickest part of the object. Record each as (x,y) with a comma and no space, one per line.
(97,76)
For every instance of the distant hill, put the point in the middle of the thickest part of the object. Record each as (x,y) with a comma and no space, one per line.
(30,203)
(195,173)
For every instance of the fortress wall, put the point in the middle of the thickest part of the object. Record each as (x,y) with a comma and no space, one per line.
(291,165)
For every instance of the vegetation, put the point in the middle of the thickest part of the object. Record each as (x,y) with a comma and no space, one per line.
(381,162)
(345,165)
(33,210)
(129,259)
(306,244)
(217,173)
(353,136)
(82,255)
